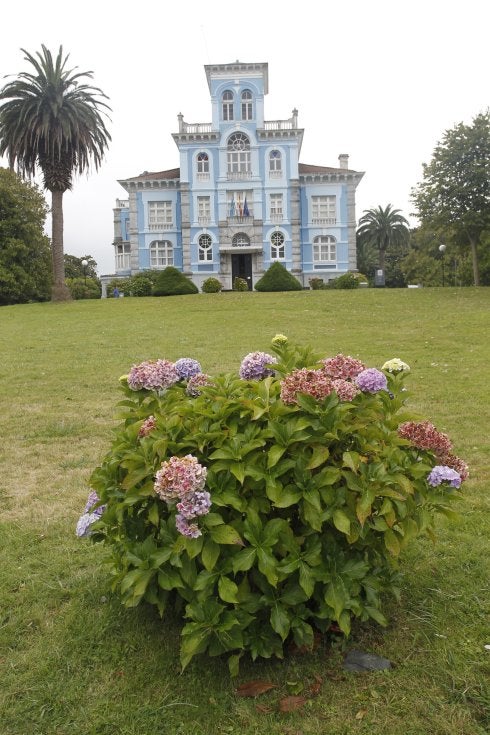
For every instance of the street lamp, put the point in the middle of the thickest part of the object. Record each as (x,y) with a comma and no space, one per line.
(442,250)
(85,264)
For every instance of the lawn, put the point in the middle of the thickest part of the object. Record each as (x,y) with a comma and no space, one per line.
(73,660)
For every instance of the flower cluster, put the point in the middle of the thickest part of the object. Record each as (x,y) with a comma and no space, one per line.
(343,367)
(458,464)
(254,366)
(152,375)
(314,383)
(197,381)
(187,367)
(443,473)
(395,365)
(424,435)
(279,340)
(89,516)
(371,380)
(183,479)
(147,426)
(345,390)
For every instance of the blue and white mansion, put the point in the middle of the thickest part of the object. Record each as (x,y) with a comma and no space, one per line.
(240,199)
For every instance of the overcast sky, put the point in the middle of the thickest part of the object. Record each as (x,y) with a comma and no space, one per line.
(380,80)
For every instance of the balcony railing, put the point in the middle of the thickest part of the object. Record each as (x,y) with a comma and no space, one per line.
(238,175)
(204,220)
(275,174)
(202,176)
(324,221)
(196,128)
(240,219)
(276,218)
(159,227)
(122,203)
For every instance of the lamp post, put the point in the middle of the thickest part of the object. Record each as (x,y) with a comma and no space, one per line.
(85,264)
(442,250)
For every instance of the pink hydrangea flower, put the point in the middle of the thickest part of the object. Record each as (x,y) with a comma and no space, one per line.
(456,463)
(191,530)
(179,476)
(345,390)
(424,435)
(153,375)
(197,381)
(344,367)
(314,383)
(147,426)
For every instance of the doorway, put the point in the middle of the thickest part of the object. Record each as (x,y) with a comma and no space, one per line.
(241,267)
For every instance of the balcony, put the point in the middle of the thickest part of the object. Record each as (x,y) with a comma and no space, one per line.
(324,221)
(195,128)
(238,175)
(160,227)
(277,218)
(240,219)
(203,220)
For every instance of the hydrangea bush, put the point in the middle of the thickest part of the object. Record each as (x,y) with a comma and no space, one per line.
(270,503)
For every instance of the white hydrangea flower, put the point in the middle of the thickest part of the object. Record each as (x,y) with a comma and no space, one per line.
(395,365)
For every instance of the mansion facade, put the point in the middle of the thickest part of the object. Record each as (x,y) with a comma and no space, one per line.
(240,199)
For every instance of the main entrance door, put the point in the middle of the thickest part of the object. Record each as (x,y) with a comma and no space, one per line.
(241,266)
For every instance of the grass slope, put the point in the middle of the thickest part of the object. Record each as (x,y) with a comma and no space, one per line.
(72,660)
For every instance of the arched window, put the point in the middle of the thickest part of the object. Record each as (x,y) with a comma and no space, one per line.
(247,111)
(205,248)
(238,149)
(277,246)
(161,254)
(202,163)
(275,163)
(227,101)
(240,240)
(324,249)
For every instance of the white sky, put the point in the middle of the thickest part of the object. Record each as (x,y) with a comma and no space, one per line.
(380,80)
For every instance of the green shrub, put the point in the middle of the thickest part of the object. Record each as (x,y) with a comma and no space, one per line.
(240,284)
(84,288)
(212,285)
(122,284)
(278,278)
(140,285)
(171,282)
(346,281)
(316,284)
(313,492)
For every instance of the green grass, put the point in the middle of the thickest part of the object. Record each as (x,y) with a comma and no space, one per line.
(72,660)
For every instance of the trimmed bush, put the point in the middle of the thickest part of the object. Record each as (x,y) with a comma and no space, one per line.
(278,278)
(84,288)
(211,285)
(122,284)
(346,281)
(240,284)
(171,282)
(270,503)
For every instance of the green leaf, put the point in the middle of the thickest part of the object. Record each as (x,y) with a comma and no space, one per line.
(306,579)
(225,535)
(268,566)
(238,470)
(335,596)
(274,455)
(341,521)
(227,590)
(392,543)
(244,560)
(280,621)
(169,579)
(282,497)
(234,664)
(376,614)
(154,515)
(192,643)
(351,460)
(212,519)
(210,554)
(319,456)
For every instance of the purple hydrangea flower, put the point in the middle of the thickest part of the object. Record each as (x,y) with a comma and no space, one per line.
(253,366)
(191,530)
(88,516)
(371,380)
(197,504)
(442,473)
(186,367)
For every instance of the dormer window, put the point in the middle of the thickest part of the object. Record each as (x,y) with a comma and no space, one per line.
(227,100)
(247,112)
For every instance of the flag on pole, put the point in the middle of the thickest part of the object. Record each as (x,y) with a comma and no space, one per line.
(246,212)
(239,207)
(232,207)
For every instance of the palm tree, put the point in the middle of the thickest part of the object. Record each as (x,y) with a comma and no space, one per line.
(53,121)
(382,228)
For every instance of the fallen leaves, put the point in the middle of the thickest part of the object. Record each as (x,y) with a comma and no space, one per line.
(290,703)
(254,688)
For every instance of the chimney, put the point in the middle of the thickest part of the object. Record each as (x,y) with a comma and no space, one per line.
(344,160)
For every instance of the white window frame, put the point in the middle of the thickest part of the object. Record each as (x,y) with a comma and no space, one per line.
(276,211)
(240,240)
(324,209)
(205,248)
(161,254)
(238,155)
(277,246)
(227,105)
(324,249)
(160,215)
(202,160)
(275,164)
(123,256)
(204,210)
(247,105)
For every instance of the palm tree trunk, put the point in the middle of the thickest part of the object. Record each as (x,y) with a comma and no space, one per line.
(59,291)
(474,257)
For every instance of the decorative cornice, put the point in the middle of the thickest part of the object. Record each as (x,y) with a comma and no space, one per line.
(238,68)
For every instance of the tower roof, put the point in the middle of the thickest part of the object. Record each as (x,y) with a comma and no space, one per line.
(238,68)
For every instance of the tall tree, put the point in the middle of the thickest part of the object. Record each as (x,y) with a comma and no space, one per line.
(25,267)
(454,195)
(382,229)
(52,120)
